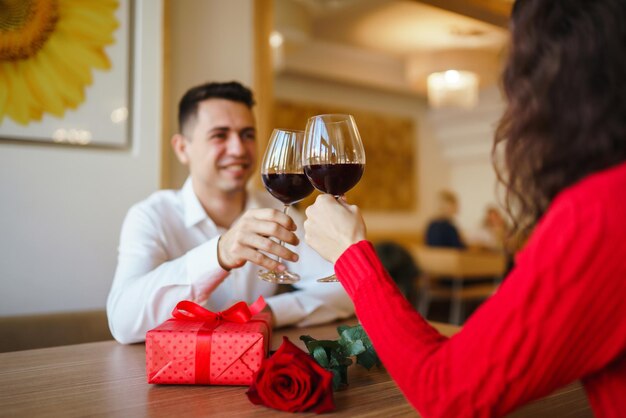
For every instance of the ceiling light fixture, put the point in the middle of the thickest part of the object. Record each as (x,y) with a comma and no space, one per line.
(453,88)
(276,39)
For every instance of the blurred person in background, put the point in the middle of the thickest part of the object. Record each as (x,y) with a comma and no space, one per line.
(442,231)
(493,232)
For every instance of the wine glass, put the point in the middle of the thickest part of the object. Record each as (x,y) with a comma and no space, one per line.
(333,156)
(284,178)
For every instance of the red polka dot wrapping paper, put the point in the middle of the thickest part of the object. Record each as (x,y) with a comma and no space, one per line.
(236,351)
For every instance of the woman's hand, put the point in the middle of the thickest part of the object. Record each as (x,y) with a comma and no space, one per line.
(332,226)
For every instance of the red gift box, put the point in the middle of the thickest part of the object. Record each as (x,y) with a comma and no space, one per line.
(198,346)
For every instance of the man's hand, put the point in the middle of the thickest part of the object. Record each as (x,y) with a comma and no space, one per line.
(251,234)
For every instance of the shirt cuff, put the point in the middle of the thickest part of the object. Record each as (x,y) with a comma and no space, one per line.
(288,310)
(203,270)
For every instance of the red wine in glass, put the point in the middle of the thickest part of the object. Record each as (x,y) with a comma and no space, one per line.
(335,179)
(333,156)
(289,188)
(284,178)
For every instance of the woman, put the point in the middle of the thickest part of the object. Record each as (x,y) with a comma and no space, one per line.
(441,231)
(493,232)
(560,316)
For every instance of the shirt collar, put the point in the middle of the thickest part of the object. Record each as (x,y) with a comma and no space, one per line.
(195,213)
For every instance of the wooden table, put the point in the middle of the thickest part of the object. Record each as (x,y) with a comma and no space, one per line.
(109,379)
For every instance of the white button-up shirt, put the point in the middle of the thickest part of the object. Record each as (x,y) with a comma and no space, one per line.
(168,253)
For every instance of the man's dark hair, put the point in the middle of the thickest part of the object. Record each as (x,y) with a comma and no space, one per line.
(188,106)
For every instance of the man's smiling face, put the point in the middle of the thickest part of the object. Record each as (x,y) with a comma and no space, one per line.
(221,148)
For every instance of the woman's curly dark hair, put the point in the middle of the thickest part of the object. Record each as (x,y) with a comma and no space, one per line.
(565,83)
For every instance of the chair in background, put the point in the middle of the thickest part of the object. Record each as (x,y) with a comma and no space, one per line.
(401,266)
(457,275)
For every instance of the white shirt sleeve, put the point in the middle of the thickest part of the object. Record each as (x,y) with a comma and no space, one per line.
(147,285)
(168,253)
(313,305)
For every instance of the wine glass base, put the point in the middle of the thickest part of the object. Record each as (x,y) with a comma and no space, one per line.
(330,279)
(285,277)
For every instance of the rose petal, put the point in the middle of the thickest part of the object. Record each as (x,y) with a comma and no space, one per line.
(292,381)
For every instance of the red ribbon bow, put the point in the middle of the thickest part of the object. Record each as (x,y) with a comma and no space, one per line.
(240,312)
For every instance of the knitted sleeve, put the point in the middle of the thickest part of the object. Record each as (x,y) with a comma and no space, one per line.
(550,323)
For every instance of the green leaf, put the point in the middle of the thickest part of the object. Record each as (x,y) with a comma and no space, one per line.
(355,348)
(353,333)
(319,354)
(336,379)
(312,343)
(307,340)
(342,328)
(338,359)
(351,340)
(336,355)
(368,359)
(340,377)
(355,342)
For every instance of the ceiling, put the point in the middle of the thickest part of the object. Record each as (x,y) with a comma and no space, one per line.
(404,27)
(401,41)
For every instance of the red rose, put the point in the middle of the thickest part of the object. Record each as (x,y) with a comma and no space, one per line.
(292,381)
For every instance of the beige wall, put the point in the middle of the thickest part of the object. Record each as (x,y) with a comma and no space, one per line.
(475,185)
(210,40)
(466,136)
(61,208)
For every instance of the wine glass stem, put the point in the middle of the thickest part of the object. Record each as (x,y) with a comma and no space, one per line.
(285,207)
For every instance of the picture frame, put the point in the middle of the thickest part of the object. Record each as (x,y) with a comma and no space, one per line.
(101,116)
(389,180)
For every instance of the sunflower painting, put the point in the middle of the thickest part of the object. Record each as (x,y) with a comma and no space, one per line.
(50,52)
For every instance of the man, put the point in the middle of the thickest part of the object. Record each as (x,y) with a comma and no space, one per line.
(206,241)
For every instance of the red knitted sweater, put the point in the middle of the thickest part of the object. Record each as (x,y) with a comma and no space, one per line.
(558,317)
